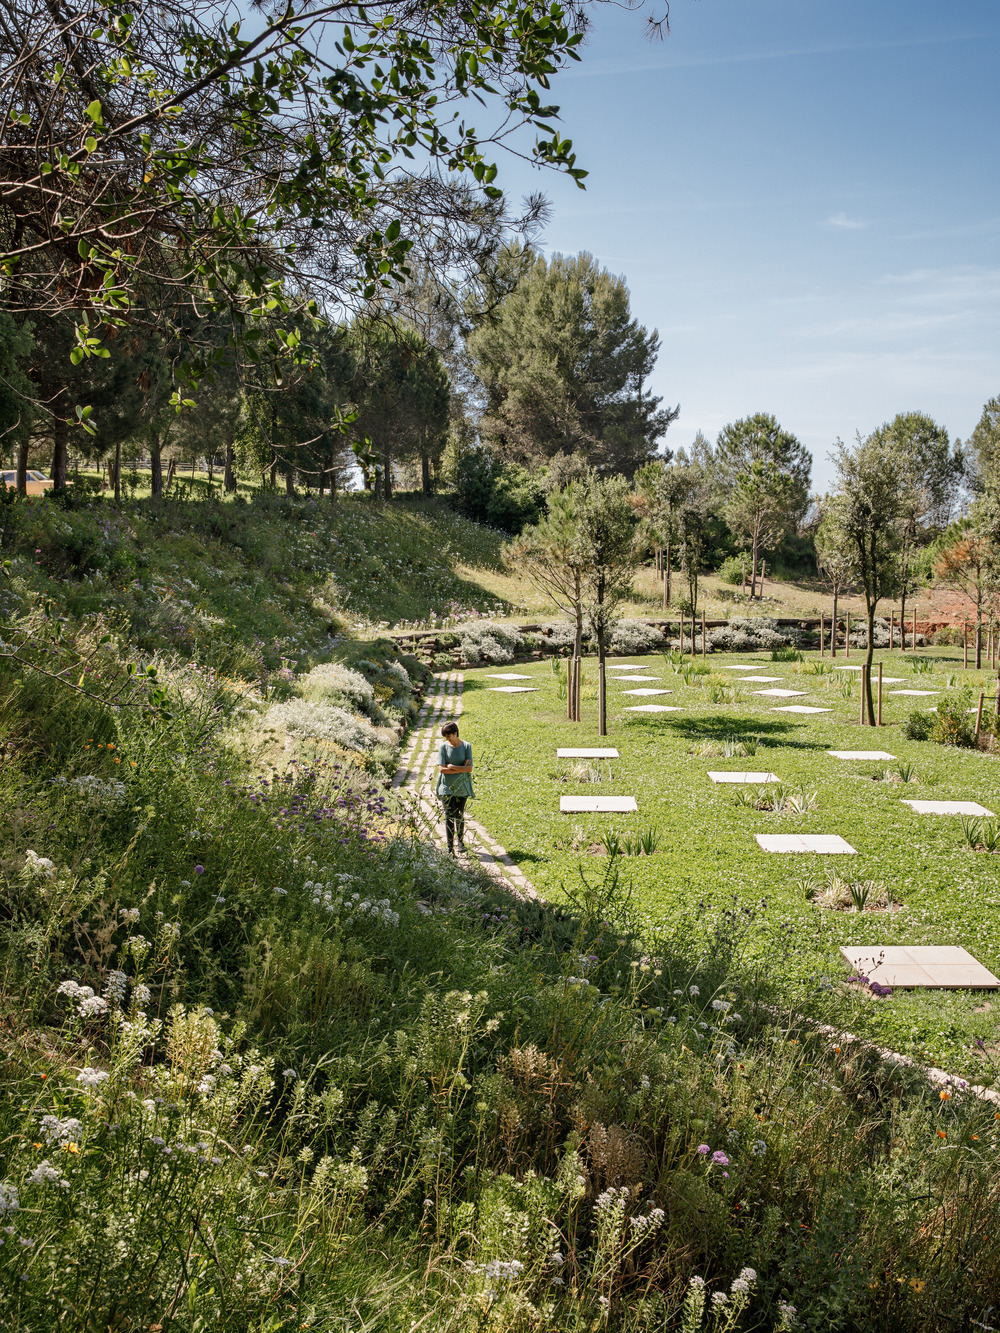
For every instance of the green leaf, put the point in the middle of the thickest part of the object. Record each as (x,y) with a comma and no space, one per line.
(94,112)
(90,143)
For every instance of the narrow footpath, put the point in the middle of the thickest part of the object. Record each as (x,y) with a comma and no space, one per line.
(416,778)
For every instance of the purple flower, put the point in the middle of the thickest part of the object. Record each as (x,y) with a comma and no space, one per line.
(199,870)
(720,1158)
(704,1148)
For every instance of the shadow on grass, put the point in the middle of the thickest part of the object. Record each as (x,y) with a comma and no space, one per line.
(770,731)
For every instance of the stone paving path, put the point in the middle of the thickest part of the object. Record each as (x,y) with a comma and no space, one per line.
(416,777)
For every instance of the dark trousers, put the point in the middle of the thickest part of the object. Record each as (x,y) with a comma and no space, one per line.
(454,818)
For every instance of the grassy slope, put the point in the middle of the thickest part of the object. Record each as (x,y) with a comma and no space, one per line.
(707,849)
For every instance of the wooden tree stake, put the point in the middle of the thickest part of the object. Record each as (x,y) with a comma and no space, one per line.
(879,694)
(822,645)
(979,716)
(704,641)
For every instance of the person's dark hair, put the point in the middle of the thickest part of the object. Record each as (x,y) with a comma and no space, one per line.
(449,729)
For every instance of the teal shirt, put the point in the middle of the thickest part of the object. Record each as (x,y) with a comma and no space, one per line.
(455,784)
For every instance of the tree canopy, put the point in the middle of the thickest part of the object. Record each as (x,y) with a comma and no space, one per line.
(563,367)
(188,154)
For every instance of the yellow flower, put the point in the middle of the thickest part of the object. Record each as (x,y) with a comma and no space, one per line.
(945,1096)
(70,1147)
(916,1284)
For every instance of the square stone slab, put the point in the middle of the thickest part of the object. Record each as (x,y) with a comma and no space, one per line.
(586,754)
(825,844)
(948,808)
(506,675)
(800,708)
(764,680)
(742,777)
(647,691)
(570,805)
(629,679)
(739,666)
(861,754)
(848,668)
(887,680)
(933,965)
(513,689)
(654,708)
(916,694)
(621,666)
(782,694)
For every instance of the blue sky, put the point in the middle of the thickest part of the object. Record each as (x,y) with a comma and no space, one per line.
(804,199)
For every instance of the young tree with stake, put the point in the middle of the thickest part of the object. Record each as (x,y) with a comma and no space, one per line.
(869,514)
(609,538)
(552,555)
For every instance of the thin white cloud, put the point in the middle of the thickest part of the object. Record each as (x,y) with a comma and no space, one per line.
(591,68)
(845,223)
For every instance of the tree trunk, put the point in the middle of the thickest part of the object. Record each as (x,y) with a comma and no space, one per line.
(866,684)
(386,474)
(229,475)
(577,651)
(754,551)
(118,472)
(274,472)
(979,640)
(425,473)
(902,620)
(21,481)
(666,574)
(289,482)
(155,466)
(211,469)
(60,451)
(602,686)
(833,627)
(171,469)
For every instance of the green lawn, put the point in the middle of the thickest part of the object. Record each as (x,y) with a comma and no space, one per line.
(707,852)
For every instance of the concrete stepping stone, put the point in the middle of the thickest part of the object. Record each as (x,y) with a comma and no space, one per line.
(861,754)
(629,679)
(848,668)
(916,694)
(942,966)
(506,675)
(948,808)
(654,708)
(888,680)
(742,777)
(782,694)
(571,805)
(584,753)
(739,666)
(800,708)
(647,691)
(513,689)
(621,666)
(764,680)
(823,844)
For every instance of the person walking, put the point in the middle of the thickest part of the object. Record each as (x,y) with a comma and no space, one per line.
(454,784)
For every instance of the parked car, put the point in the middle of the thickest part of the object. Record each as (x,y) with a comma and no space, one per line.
(37,484)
